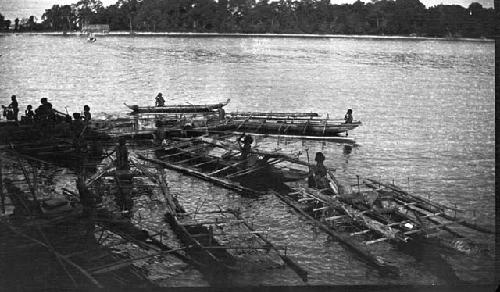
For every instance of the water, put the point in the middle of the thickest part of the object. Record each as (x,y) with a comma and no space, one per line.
(427,108)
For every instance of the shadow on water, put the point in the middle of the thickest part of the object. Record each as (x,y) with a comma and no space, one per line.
(429,253)
(347,150)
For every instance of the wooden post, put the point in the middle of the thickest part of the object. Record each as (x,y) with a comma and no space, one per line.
(357,176)
(2,195)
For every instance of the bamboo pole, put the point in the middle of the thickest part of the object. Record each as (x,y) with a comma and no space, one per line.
(2,194)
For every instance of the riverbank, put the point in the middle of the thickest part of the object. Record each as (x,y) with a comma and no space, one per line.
(248,35)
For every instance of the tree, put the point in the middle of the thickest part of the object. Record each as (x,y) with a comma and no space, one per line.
(408,16)
(130,7)
(87,11)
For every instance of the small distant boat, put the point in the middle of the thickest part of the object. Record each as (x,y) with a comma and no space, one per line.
(91,38)
(179,108)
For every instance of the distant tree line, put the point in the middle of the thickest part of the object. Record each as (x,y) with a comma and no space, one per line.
(379,17)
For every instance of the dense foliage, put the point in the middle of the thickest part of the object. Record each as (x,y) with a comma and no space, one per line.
(382,17)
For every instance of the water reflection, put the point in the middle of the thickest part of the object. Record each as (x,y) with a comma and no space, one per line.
(347,150)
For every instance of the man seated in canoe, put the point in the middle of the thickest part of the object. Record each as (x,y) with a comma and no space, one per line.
(318,173)
(159,101)
(246,147)
(86,113)
(348,117)
(44,111)
(30,115)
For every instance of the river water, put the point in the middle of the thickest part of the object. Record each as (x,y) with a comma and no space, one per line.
(427,108)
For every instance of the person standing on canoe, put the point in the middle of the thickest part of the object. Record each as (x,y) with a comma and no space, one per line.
(247,141)
(348,117)
(14,106)
(159,101)
(86,113)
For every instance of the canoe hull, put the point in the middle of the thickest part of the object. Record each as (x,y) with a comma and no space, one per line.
(181,108)
(293,129)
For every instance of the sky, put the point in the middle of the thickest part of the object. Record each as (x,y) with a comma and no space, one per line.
(24,8)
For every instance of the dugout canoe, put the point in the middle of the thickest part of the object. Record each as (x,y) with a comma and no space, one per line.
(287,127)
(178,108)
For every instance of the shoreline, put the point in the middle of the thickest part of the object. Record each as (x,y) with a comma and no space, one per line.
(248,35)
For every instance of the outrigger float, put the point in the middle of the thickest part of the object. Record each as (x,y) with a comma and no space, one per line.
(358,216)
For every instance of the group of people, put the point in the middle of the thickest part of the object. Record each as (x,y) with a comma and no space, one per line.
(44,112)
(318,174)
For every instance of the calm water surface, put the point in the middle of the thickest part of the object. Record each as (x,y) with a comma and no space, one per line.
(427,108)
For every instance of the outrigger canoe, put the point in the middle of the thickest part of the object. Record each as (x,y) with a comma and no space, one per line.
(314,128)
(358,215)
(179,108)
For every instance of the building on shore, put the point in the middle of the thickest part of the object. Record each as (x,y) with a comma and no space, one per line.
(95,28)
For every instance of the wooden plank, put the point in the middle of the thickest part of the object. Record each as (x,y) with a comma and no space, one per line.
(250,170)
(226,168)
(320,209)
(335,217)
(190,159)
(217,181)
(376,240)
(360,232)
(172,155)
(306,199)
(206,162)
